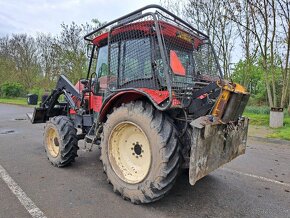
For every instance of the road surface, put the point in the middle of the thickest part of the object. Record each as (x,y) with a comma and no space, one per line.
(256,184)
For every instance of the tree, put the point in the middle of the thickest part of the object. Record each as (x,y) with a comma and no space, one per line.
(71,47)
(212,18)
(37,62)
(284,39)
(49,59)
(8,67)
(209,16)
(20,52)
(238,12)
(259,29)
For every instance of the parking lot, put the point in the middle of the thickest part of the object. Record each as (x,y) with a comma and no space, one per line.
(256,184)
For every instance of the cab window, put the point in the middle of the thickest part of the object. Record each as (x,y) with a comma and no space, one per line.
(135,60)
(102,62)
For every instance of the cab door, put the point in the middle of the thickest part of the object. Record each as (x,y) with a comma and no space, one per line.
(100,85)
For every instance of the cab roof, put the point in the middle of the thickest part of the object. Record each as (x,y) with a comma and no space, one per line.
(145,29)
(131,22)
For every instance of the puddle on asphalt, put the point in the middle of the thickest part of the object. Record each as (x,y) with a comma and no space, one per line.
(19,119)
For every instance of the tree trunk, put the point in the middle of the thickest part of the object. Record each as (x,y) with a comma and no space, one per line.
(286,76)
(268,82)
(289,106)
(268,88)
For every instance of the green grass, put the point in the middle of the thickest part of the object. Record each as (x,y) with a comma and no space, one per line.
(263,120)
(19,101)
(16,101)
(281,133)
(258,119)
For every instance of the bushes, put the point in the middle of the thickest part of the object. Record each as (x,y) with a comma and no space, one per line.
(37,91)
(261,110)
(257,109)
(11,89)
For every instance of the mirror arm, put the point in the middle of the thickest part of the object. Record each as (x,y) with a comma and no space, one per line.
(90,63)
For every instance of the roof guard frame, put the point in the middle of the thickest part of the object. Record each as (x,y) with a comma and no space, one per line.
(152,6)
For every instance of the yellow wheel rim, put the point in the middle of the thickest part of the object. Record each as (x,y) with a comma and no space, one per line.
(129,152)
(52,141)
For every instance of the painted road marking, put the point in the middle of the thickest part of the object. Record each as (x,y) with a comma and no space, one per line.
(257,177)
(29,205)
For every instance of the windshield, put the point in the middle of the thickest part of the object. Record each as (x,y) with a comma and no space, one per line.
(190,64)
(206,64)
(102,62)
(135,60)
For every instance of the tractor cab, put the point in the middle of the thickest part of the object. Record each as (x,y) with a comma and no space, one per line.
(148,53)
(138,56)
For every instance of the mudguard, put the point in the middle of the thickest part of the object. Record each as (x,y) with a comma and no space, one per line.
(214,144)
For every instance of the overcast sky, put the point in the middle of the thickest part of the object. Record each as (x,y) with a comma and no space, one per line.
(32,16)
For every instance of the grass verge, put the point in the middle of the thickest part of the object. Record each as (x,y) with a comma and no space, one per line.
(263,120)
(18,101)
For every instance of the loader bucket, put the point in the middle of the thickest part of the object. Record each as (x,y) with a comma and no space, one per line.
(213,145)
(38,115)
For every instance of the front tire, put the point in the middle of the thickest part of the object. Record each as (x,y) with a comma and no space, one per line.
(139,152)
(60,141)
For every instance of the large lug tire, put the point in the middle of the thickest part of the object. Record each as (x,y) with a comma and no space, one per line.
(139,152)
(60,141)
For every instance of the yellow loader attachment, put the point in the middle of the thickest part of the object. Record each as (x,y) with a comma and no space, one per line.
(220,137)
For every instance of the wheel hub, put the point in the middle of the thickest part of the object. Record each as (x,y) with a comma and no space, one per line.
(129,152)
(137,148)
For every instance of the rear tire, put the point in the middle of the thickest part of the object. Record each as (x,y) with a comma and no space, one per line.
(139,152)
(60,141)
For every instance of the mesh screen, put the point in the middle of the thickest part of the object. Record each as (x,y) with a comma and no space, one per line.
(157,55)
(132,47)
(197,63)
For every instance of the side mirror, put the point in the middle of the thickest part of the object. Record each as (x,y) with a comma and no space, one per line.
(96,86)
(85,82)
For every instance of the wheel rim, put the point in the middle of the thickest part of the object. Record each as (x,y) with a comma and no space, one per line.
(129,152)
(52,141)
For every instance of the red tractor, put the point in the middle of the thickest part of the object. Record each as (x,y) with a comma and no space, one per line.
(154,100)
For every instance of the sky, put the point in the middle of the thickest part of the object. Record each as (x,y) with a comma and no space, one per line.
(46,16)
(33,16)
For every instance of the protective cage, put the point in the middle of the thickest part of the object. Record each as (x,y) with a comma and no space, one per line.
(156,50)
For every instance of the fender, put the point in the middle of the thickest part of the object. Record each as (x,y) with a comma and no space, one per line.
(116,99)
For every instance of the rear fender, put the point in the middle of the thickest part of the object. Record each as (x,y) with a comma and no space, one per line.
(115,100)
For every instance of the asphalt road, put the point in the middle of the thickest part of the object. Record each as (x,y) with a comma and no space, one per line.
(256,184)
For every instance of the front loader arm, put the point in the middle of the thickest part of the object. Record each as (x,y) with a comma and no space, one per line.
(64,84)
(51,107)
